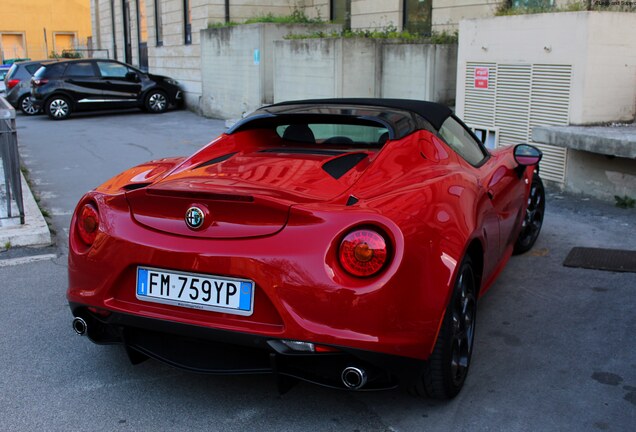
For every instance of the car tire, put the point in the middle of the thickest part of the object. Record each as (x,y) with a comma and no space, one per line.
(58,108)
(444,373)
(27,106)
(156,102)
(533,219)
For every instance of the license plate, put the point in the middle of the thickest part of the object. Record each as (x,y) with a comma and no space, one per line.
(196,291)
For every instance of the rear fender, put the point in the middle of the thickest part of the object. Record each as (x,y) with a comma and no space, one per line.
(140,175)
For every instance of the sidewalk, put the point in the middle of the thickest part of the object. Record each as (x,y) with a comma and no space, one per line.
(34,232)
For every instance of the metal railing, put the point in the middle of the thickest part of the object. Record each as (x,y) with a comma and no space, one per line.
(10,161)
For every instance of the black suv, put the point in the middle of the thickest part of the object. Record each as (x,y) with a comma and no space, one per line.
(63,87)
(18,84)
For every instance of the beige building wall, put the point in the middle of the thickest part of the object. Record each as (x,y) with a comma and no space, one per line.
(448,13)
(24,23)
(242,10)
(374,14)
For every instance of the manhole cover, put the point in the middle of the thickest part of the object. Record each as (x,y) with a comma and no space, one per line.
(602,259)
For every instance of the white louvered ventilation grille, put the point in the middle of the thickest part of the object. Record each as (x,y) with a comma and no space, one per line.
(520,97)
(513,103)
(479,106)
(550,106)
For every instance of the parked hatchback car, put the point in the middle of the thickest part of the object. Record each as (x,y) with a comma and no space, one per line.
(64,87)
(3,72)
(18,85)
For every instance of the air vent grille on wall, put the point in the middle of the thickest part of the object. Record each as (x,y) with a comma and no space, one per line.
(518,97)
(513,103)
(550,107)
(479,108)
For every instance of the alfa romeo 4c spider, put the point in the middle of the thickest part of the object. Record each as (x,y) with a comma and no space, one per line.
(344,242)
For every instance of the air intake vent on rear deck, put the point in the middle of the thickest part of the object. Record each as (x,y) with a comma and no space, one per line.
(134,186)
(338,167)
(217,160)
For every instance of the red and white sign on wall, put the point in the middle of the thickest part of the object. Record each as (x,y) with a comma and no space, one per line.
(481,77)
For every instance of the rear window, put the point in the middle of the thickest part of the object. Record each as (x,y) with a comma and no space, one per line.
(334,134)
(3,73)
(51,71)
(32,68)
(12,70)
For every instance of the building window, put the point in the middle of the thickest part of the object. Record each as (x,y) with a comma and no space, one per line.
(531,4)
(417,16)
(128,56)
(158,23)
(187,22)
(112,17)
(142,35)
(340,12)
(63,42)
(12,46)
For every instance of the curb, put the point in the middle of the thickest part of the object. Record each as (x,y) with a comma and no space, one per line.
(35,231)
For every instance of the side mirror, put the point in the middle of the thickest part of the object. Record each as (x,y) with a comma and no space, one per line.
(132,76)
(526,155)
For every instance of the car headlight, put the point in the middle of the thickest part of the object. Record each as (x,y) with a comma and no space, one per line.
(171,81)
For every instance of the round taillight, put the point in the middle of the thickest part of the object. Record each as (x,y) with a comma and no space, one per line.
(363,252)
(88,224)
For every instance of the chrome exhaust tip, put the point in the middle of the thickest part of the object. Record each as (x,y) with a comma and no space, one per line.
(79,325)
(354,378)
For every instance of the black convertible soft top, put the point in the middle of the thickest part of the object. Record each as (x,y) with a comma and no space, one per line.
(400,116)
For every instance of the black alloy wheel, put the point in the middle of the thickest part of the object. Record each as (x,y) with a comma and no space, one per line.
(533,219)
(58,108)
(27,106)
(445,371)
(156,102)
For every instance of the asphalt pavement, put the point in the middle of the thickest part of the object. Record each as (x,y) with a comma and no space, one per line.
(554,345)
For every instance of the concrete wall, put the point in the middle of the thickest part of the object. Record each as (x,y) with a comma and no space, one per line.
(419,71)
(609,83)
(603,63)
(322,68)
(337,67)
(237,65)
(600,176)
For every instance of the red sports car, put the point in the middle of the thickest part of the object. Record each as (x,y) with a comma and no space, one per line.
(343,242)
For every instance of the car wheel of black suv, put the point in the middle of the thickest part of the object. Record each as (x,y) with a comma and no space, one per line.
(156,102)
(27,106)
(58,108)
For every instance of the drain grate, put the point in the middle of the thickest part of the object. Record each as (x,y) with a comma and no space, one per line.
(602,259)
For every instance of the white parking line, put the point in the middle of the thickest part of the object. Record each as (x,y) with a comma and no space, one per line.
(26,260)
